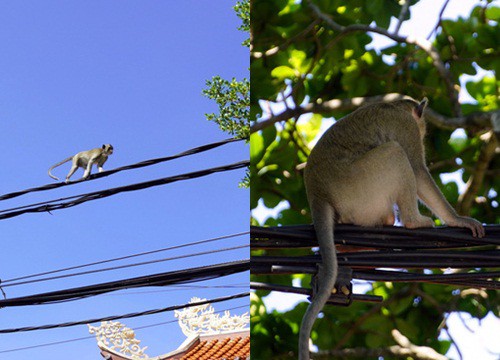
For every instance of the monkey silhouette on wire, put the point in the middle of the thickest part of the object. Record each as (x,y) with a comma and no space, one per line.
(85,160)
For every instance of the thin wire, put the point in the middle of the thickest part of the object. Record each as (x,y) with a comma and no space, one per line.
(82,198)
(93,337)
(126,257)
(128,265)
(125,316)
(193,151)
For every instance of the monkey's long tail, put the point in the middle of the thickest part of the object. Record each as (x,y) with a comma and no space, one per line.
(58,164)
(323,216)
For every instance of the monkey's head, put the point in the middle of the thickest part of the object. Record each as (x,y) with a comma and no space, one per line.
(416,109)
(107,149)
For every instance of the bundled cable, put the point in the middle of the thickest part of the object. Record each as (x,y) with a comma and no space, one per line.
(386,237)
(162,279)
(141,164)
(126,316)
(52,205)
(393,248)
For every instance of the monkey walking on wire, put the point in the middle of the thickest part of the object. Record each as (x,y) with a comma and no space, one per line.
(85,160)
(364,164)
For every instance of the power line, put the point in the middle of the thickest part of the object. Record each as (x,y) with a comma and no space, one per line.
(192,151)
(178,288)
(43,205)
(82,198)
(161,279)
(125,316)
(46,344)
(205,241)
(128,265)
(93,337)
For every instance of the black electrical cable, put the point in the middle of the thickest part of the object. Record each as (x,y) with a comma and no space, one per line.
(127,265)
(122,168)
(178,288)
(125,316)
(392,237)
(82,198)
(161,279)
(205,241)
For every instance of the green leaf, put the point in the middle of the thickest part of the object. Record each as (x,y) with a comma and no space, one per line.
(493,13)
(256,147)
(283,72)
(309,129)
(458,143)
(299,61)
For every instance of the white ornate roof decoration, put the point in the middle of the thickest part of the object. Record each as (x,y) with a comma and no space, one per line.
(119,338)
(201,319)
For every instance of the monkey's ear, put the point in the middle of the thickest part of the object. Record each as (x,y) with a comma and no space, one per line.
(419,109)
(103,146)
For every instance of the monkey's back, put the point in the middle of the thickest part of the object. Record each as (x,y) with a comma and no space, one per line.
(353,136)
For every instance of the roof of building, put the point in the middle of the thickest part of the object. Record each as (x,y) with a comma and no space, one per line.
(210,336)
(233,345)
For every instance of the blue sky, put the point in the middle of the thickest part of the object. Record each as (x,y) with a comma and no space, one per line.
(75,75)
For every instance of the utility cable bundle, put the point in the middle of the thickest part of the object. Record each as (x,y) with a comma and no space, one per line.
(195,150)
(126,316)
(47,206)
(184,276)
(399,249)
(70,201)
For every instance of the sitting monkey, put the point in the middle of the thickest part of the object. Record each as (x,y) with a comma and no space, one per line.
(364,164)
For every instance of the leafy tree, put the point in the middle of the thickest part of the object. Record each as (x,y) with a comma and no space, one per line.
(312,60)
(232,97)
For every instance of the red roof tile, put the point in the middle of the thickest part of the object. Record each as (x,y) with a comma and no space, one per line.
(221,349)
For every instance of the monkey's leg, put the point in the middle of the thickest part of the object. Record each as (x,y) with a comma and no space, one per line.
(432,197)
(74,167)
(88,169)
(383,177)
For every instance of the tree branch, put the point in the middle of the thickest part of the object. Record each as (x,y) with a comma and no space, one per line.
(440,18)
(404,350)
(421,352)
(422,43)
(473,122)
(475,181)
(374,310)
(274,50)
(402,15)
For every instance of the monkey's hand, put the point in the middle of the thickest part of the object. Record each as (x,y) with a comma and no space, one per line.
(470,223)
